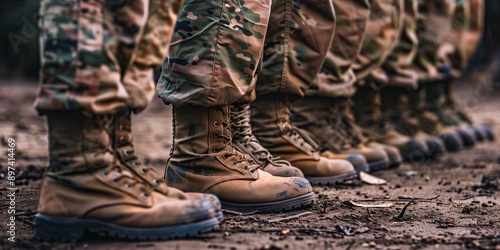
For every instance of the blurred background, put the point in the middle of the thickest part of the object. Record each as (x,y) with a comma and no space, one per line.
(19,53)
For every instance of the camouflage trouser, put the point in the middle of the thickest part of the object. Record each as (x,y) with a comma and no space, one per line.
(433,26)
(382,34)
(463,39)
(214,53)
(399,64)
(299,36)
(216,50)
(336,77)
(87,49)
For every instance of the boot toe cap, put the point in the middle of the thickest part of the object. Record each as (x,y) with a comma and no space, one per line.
(415,150)
(467,137)
(359,163)
(452,141)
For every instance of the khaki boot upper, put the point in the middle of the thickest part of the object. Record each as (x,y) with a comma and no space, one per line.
(272,126)
(121,134)
(330,122)
(247,143)
(203,159)
(84,181)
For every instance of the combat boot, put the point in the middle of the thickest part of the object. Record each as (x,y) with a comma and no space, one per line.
(246,142)
(395,107)
(272,126)
(322,117)
(481,132)
(368,113)
(427,122)
(435,98)
(85,189)
(123,146)
(204,159)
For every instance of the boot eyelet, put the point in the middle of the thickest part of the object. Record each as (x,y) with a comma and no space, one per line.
(285,127)
(115,181)
(216,149)
(282,120)
(120,127)
(127,186)
(104,174)
(216,124)
(135,164)
(122,140)
(126,152)
(144,196)
(156,182)
(143,171)
(234,163)
(216,134)
(225,156)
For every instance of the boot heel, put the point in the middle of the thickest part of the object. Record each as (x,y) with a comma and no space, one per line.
(57,229)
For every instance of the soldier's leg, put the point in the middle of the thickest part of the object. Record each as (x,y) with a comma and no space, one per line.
(299,36)
(81,89)
(386,22)
(403,78)
(212,63)
(320,111)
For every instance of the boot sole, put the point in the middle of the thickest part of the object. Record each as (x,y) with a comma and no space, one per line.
(395,162)
(379,165)
(70,229)
(271,207)
(219,216)
(332,180)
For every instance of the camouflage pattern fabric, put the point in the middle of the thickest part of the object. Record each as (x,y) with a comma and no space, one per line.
(87,46)
(382,34)
(336,77)
(433,25)
(463,39)
(399,63)
(299,36)
(150,52)
(214,52)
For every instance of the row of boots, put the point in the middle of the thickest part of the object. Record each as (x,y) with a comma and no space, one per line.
(262,157)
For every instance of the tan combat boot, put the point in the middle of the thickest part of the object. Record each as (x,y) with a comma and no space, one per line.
(203,159)
(247,143)
(122,141)
(367,110)
(272,127)
(428,122)
(85,189)
(321,116)
(396,109)
(435,97)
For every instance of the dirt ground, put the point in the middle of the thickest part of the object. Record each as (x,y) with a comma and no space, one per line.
(456,197)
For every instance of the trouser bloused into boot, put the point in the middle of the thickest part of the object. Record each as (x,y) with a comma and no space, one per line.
(203,159)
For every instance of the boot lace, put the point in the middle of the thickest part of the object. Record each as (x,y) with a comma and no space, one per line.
(229,149)
(242,131)
(122,173)
(124,124)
